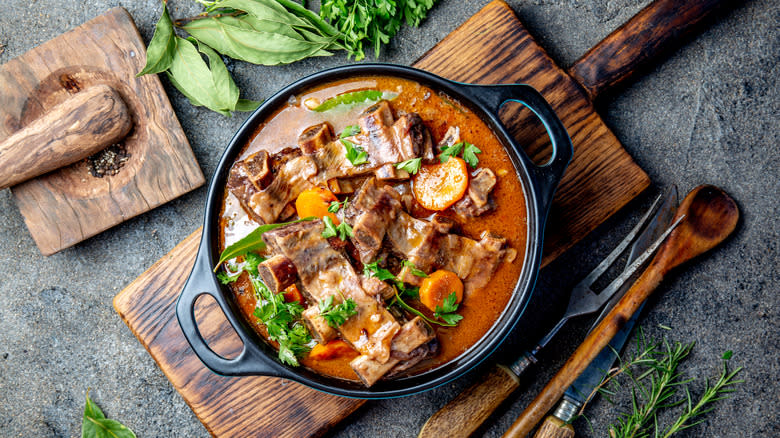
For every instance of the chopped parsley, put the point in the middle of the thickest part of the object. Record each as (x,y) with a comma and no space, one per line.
(349,131)
(469,153)
(343,230)
(335,206)
(355,154)
(414,269)
(447,310)
(412,166)
(282,322)
(227,278)
(450,151)
(336,315)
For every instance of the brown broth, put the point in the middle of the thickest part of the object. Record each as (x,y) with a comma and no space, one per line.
(481,308)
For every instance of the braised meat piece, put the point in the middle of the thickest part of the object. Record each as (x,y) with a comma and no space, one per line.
(477,200)
(315,138)
(369,214)
(415,240)
(473,261)
(412,137)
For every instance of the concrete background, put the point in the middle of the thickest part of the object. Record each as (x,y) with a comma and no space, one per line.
(708,113)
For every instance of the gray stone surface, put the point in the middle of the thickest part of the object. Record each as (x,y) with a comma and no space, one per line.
(708,113)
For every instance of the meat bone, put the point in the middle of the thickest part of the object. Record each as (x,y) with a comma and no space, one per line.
(710,216)
(82,125)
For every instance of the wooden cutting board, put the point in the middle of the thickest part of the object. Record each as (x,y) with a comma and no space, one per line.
(491,47)
(66,206)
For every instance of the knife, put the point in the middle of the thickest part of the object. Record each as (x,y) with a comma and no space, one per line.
(558,424)
(464,414)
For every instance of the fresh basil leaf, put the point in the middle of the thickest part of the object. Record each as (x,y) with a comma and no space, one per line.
(349,98)
(209,86)
(94,424)
(246,105)
(267,10)
(264,47)
(159,54)
(450,151)
(349,131)
(470,154)
(355,154)
(252,241)
(412,166)
(414,269)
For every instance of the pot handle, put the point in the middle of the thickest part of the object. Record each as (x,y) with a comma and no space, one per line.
(547,176)
(251,360)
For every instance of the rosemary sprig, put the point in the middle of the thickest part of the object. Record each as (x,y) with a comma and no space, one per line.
(656,383)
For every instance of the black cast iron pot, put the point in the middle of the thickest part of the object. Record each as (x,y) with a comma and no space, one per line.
(538,182)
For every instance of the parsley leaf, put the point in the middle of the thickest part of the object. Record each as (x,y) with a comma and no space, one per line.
(343,230)
(373,270)
(450,151)
(282,322)
(355,154)
(414,269)
(335,206)
(349,131)
(412,166)
(338,314)
(470,154)
(226,278)
(447,310)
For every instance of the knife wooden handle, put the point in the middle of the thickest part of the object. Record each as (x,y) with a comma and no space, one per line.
(463,415)
(654,30)
(71,131)
(554,427)
(710,216)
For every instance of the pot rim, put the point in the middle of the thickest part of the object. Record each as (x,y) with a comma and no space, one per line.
(537,184)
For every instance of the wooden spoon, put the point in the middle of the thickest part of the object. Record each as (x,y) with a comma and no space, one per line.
(710,216)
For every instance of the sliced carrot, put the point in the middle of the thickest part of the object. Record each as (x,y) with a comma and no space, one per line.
(437,186)
(292,294)
(315,202)
(331,350)
(436,287)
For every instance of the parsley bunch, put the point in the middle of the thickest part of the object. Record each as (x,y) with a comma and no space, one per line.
(372,22)
(469,153)
(338,314)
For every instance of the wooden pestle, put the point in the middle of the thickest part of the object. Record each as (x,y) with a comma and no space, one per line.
(710,216)
(71,131)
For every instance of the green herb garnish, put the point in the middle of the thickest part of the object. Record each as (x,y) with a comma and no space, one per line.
(227,278)
(373,270)
(349,131)
(414,269)
(282,322)
(450,151)
(343,230)
(335,206)
(447,310)
(470,154)
(355,154)
(94,424)
(336,315)
(350,98)
(252,241)
(399,301)
(412,166)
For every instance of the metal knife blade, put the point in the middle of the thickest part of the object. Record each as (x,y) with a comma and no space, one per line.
(582,388)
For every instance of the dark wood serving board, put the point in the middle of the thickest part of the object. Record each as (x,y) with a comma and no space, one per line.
(491,47)
(68,205)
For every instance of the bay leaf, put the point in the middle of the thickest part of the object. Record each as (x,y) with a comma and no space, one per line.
(159,54)
(251,45)
(252,241)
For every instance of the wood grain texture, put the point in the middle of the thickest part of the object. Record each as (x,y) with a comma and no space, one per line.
(473,406)
(657,28)
(600,180)
(73,130)
(553,427)
(709,216)
(602,177)
(69,205)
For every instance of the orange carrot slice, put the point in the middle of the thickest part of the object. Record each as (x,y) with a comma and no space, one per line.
(315,202)
(331,350)
(436,287)
(437,186)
